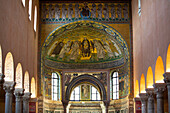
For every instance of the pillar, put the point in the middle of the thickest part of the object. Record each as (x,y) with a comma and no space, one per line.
(159,91)
(150,94)
(26,98)
(144,98)
(167,81)
(106,103)
(9,88)
(1,79)
(18,99)
(65,103)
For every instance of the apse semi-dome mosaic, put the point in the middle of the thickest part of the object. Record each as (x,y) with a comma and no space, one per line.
(85,44)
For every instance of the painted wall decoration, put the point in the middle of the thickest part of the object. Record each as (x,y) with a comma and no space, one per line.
(85,36)
(85,92)
(69,76)
(85,42)
(63,12)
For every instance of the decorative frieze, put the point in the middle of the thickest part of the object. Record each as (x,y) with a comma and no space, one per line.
(62,12)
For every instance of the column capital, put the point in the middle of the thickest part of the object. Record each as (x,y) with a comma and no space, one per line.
(9,86)
(2,78)
(26,96)
(143,97)
(150,92)
(19,92)
(167,78)
(159,87)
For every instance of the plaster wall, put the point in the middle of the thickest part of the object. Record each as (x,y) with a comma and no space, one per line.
(17,36)
(151,35)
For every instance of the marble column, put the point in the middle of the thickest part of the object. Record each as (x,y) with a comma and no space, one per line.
(167,81)
(18,99)
(9,88)
(1,79)
(143,98)
(26,97)
(159,91)
(150,94)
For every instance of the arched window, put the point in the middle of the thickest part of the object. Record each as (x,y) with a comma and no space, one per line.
(33,87)
(0,59)
(18,76)
(55,87)
(23,2)
(142,84)
(115,85)
(75,95)
(139,7)
(26,81)
(30,9)
(35,18)
(95,95)
(168,60)
(159,70)
(9,67)
(149,78)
